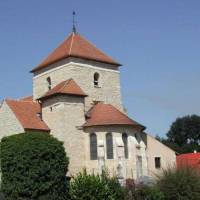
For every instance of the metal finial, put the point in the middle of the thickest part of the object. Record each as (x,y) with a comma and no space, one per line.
(74,26)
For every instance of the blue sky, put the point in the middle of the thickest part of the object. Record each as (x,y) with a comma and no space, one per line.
(158,42)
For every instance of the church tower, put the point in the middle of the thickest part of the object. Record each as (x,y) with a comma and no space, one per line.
(76,58)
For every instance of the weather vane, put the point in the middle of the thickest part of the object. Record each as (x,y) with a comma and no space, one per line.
(74,22)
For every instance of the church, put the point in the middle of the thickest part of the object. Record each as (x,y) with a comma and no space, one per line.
(77,98)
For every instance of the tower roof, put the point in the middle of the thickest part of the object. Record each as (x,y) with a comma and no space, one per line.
(106,114)
(75,46)
(69,87)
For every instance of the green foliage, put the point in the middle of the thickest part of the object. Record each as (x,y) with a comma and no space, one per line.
(115,191)
(180,184)
(1,196)
(33,166)
(148,193)
(95,187)
(185,130)
(184,134)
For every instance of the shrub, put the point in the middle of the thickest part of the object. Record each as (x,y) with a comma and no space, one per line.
(130,189)
(180,184)
(1,196)
(115,190)
(95,187)
(33,166)
(148,193)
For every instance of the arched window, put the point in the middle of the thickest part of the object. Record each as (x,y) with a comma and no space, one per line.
(96,79)
(93,146)
(125,141)
(109,145)
(49,82)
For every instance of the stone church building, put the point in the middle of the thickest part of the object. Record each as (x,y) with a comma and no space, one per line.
(77,98)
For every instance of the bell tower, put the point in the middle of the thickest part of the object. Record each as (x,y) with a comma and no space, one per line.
(95,72)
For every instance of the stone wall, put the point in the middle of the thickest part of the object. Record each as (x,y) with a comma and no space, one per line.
(134,146)
(9,124)
(65,115)
(157,149)
(82,72)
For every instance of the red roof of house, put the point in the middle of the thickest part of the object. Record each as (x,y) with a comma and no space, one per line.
(106,114)
(189,159)
(26,112)
(76,46)
(69,87)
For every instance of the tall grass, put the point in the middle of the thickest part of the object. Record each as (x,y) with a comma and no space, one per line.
(180,183)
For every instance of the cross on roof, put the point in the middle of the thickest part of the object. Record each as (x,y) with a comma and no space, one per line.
(74,22)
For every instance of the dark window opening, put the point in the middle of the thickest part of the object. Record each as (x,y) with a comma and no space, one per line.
(157,162)
(93,146)
(49,83)
(96,79)
(109,146)
(125,141)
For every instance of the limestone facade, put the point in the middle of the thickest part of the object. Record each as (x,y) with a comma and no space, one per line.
(82,72)
(136,147)
(155,149)
(9,123)
(64,116)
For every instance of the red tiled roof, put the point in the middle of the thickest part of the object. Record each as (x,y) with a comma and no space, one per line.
(76,46)
(69,87)
(106,114)
(188,159)
(27,114)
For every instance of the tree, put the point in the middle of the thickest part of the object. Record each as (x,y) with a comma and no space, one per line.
(34,166)
(185,130)
(184,134)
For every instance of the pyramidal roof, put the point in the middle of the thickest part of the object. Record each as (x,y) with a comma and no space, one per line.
(68,87)
(76,46)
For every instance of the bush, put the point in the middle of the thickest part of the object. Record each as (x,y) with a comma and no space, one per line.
(115,190)
(34,166)
(95,187)
(1,196)
(130,189)
(148,193)
(182,183)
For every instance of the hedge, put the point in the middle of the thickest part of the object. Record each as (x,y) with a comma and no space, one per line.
(34,166)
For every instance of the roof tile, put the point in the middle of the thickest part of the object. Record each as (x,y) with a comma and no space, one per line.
(27,114)
(188,159)
(106,114)
(76,46)
(69,87)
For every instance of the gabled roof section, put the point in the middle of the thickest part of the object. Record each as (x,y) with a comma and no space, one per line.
(76,46)
(27,113)
(68,87)
(105,114)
